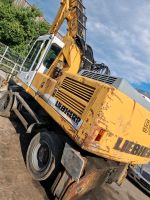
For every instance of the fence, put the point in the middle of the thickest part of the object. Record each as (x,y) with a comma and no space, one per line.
(9,61)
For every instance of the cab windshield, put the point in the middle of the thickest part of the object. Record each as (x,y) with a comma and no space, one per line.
(34,55)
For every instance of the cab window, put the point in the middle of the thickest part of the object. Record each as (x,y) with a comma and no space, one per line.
(40,55)
(32,55)
(51,55)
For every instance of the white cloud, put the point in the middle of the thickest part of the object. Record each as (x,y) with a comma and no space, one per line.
(119,32)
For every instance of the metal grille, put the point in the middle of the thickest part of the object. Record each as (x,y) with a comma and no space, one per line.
(99,77)
(81,90)
(70,102)
(75,95)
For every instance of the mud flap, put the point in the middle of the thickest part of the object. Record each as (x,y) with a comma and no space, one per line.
(78,177)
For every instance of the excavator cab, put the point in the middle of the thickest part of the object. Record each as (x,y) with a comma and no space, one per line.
(40,58)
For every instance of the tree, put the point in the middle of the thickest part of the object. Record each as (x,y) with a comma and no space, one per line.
(18,26)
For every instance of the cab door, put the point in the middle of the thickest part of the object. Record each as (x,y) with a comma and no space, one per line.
(43,83)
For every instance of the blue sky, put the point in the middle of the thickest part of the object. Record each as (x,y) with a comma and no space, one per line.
(119,32)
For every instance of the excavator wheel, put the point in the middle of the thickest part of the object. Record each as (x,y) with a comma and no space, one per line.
(6,100)
(44,155)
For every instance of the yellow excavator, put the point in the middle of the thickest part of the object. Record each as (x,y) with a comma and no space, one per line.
(86,125)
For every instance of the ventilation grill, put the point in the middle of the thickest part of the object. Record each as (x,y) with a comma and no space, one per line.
(81,90)
(75,95)
(69,101)
(99,77)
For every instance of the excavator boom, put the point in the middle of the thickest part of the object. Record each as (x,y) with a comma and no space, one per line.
(74,12)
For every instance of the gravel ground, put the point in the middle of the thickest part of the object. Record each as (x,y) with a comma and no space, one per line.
(16,184)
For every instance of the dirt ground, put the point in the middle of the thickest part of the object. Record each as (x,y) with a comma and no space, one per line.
(16,183)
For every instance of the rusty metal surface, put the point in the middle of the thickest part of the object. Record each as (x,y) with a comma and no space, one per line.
(77,189)
(95,174)
(62,184)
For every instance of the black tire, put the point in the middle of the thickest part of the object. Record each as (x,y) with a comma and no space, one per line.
(43,157)
(6,99)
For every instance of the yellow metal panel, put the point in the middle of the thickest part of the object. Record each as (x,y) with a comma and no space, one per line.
(114,126)
(43,83)
(120,117)
(72,55)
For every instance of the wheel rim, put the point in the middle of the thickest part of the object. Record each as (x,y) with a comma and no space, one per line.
(41,157)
